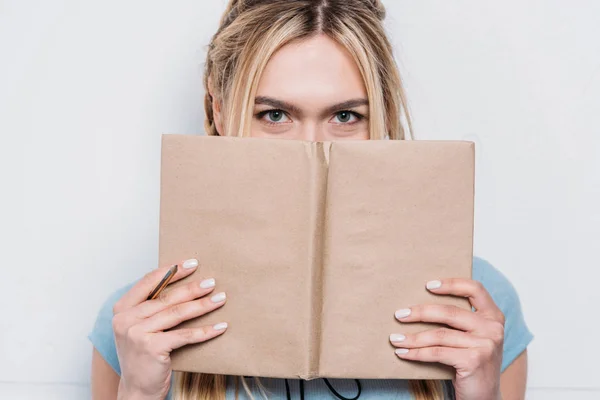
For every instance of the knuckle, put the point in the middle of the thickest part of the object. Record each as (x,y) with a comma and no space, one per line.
(441,333)
(134,334)
(186,334)
(414,353)
(498,334)
(196,335)
(489,347)
(205,332)
(501,318)
(450,312)
(450,282)
(415,339)
(437,352)
(177,311)
(192,290)
(152,349)
(420,312)
(118,325)
(165,298)
(416,311)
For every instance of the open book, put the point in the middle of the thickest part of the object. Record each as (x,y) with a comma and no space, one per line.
(316,245)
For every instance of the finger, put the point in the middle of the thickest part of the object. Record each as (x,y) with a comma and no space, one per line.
(445,355)
(171,297)
(453,316)
(474,290)
(178,313)
(436,337)
(180,337)
(140,291)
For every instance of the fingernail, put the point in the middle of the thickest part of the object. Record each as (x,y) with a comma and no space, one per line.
(397,337)
(207,283)
(404,312)
(217,298)
(401,351)
(434,284)
(191,263)
(220,326)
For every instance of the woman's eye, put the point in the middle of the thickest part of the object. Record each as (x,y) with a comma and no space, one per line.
(274,116)
(344,117)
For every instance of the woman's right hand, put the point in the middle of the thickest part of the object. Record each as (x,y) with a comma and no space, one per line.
(142,345)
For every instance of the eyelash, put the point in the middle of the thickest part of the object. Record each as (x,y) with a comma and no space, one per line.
(261,114)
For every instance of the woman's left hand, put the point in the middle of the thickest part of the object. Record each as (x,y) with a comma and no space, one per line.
(472,343)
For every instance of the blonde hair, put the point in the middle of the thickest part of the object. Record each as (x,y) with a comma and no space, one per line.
(250,32)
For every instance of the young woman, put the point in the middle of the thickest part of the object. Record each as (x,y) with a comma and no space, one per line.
(310,70)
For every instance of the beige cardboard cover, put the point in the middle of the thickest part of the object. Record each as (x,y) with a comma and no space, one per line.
(316,245)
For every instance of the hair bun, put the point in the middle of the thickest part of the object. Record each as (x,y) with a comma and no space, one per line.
(378,8)
(235,7)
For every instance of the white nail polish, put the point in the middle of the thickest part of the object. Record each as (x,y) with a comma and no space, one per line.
(397,337)
(191,263)
(401,351)
(220,326)
(405,312)
(207,283)
(217,298)
(434,284)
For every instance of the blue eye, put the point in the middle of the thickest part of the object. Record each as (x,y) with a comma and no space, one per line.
(275,115)
(272,117)
(344,116)
(347,117)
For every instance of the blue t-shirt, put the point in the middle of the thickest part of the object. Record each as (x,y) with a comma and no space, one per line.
(516,338)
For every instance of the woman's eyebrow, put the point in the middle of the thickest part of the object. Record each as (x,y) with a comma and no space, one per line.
(346,105)
(269,101)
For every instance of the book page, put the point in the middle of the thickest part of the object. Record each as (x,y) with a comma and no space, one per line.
(243,208)
(398,214)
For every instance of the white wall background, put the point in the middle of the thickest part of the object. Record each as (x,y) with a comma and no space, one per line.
(88,87)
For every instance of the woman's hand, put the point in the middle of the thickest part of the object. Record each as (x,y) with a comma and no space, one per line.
(142,345)
(472,343)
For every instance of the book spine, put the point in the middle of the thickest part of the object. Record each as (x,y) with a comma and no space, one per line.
(319,153)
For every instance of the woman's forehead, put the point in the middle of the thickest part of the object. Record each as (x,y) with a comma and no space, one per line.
(314,72)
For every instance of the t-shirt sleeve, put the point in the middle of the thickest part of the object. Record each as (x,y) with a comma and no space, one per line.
(102,335)
(516,333)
